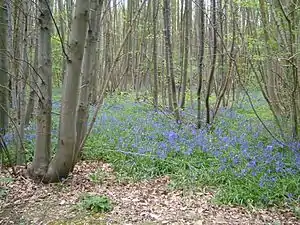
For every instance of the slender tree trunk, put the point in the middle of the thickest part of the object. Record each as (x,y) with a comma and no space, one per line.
(87,66)
(154,55)
(224,86)
(96,43)
(213,64)
(33,81)
(69,6)
(43,139)
(62,163)
(270,77)
(186,53)
(22,73)
(3,68)
(169,59)
(201,32)
(62,34)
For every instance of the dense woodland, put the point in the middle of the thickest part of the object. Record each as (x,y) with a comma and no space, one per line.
(204,91)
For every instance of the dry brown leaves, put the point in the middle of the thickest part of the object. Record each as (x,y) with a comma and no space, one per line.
(147,202)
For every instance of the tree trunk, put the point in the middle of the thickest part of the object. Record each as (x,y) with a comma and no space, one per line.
(62,34)
(201,32)
(154,55)
(3,68)
(213,64)
(87,66)
(62,162)
(43,131)
(33,82)
(169,59)
(22,74)
(186,53)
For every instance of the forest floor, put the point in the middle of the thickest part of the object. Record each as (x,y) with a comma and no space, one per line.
(147,202)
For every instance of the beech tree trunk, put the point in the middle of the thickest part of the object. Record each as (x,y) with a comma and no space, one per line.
(87,71)
(64,159)
(43,131)
(154,55)
(201,32)
(186,53)
(3,68)
(213,64)
(169,59)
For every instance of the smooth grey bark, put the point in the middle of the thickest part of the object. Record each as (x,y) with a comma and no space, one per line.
(21,49)
(169,58)
(107,47)
(33,81)
(33,60)
(43,119)
(87,72)
(62,163)
(213,64)
(154,55)
(3,68)
(70,8)
(94,79)
(201,33)
(186,53)
(62,34)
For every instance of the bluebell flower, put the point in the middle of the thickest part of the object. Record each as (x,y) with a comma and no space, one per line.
(8,137)
(172,136)
(254,173)
(236,160)
(252,164)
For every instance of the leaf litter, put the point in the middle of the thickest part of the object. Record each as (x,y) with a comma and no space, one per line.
(145,202)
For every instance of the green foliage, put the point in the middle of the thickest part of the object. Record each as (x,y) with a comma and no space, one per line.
(96,203)
(236,157)
(3,190)
(57,58)
(251,4)
(139,145)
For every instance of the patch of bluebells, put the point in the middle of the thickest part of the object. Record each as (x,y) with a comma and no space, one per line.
(30,130)
(240,145)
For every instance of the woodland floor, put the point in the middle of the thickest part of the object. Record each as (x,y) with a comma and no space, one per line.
(147,202)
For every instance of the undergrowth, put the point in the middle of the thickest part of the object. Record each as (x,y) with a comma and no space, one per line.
(236,156)
(95,203)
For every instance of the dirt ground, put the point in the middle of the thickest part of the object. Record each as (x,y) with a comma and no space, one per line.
(147,202)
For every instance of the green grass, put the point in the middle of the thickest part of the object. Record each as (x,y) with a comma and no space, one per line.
(127,128)
(140,144)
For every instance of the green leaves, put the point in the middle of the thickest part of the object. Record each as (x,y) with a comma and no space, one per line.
(96,203)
